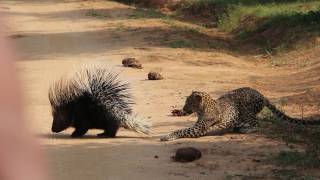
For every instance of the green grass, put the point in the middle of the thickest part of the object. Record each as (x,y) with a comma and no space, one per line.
(275,25)
(308,136)
(291,162)
(236,14)
(257,26)
(274,127)
(95,13)
(297,159)
(127,1)
(182,44)
(290,174)
(140,13)
(280,174)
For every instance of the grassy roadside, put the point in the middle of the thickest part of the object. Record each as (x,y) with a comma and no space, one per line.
(273,26)
(260,26)
(292,163)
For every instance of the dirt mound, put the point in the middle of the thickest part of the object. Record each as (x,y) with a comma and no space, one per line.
(154,76)
(131,62)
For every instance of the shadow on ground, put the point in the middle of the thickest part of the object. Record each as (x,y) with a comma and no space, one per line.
(101,41)
(219,156)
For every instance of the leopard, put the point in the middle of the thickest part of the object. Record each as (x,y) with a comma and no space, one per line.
(232,111)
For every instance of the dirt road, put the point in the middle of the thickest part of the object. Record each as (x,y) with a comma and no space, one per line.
(53,36)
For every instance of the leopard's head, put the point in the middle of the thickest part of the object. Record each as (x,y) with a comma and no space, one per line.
(195,102)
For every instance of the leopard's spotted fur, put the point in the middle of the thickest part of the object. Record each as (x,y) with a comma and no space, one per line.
(233,110)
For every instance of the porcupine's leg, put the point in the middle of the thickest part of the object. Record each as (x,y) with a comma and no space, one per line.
(110,131)
(81,125)
(79,132)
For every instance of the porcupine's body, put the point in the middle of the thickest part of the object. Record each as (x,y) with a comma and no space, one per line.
(232,111)
(93,98)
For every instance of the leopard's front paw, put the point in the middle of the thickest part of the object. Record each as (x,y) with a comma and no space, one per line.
(167,138)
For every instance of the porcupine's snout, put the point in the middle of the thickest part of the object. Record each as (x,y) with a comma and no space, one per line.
(59,124)
(55,128)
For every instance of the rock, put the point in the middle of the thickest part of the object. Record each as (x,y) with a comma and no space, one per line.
(154,76)
(131,62)
(187,154)
(178,112)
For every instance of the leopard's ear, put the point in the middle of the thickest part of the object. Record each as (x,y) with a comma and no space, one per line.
(195,92)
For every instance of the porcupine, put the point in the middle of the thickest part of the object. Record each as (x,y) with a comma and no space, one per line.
(93,98)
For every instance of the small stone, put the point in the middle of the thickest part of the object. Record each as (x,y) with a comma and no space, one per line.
(131,62)
(256,160)
(187,154)
(154,76)
(156,156)
(178,112)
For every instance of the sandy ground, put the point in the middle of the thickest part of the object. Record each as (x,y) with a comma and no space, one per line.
(53,36)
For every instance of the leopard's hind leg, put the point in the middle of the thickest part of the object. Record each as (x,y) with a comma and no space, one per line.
(219,129)
(249,125)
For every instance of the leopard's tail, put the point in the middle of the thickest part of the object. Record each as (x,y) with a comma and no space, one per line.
(281,115)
